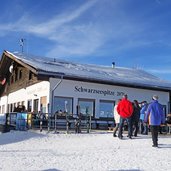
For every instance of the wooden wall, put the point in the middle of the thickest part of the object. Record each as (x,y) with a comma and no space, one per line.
(20,78)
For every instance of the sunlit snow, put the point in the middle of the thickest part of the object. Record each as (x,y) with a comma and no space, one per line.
(96,151)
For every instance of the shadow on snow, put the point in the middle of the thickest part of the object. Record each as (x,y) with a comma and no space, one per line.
(17,136)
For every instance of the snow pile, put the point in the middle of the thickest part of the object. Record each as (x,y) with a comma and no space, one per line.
(98,151)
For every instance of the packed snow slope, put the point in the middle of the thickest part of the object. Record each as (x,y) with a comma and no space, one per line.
(96,151)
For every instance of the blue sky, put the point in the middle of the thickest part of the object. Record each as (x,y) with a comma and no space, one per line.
(132,33)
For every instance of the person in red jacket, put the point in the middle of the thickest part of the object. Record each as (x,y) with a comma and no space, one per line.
(125,110)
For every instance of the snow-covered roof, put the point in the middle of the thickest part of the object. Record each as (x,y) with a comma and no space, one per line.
(116,75)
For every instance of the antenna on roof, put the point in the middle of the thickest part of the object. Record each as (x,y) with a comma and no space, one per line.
(22,42)
(113,64)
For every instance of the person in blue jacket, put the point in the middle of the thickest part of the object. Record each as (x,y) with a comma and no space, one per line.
(155,117)
(143,125)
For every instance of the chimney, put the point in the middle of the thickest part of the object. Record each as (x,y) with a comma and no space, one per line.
(113,64)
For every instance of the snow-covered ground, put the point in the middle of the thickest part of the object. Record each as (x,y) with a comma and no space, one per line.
(96,151)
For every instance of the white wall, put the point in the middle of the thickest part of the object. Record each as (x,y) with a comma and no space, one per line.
(67,88)
(32,92)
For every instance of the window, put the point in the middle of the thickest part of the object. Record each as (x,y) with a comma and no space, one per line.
(86,106)
(36,105)
(12,79)
(16,74)
(11,107)
(3,108)
(29,105)
(43,102)
(30,75)
(106,109)
(63,104)
(8,108)
(20,74)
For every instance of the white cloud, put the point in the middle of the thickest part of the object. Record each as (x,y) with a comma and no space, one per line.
(72,35)
(77,40)
(26,24)
(68,38)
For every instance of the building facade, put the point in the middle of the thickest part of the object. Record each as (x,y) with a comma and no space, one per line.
(38,85)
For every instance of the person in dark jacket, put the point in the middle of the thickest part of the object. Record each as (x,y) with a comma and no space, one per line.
(155,117)
(125,110)
(135,117)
